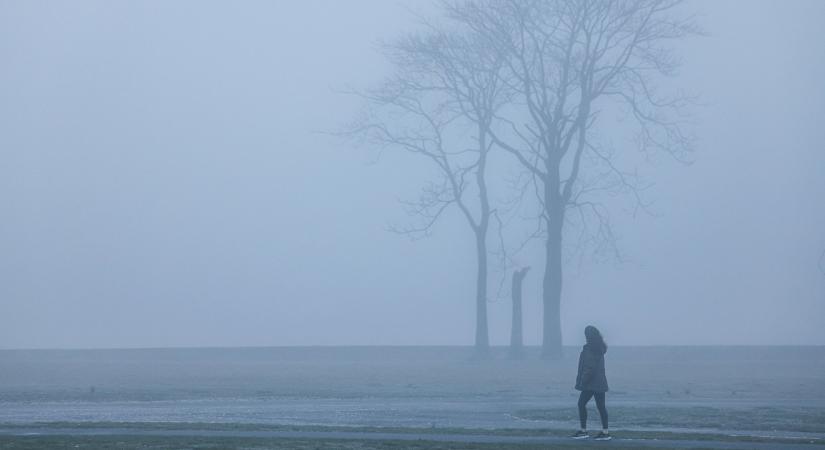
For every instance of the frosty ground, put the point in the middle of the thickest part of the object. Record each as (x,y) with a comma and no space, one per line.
(405,397)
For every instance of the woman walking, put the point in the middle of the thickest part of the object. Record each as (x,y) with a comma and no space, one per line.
(591,380)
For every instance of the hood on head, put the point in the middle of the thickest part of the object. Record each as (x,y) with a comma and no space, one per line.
(597,348)
(595,339)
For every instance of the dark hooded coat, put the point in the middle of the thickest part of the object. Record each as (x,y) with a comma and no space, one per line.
(591,376)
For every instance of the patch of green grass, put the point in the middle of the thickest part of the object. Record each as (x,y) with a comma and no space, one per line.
(144,427)
(212,443)
(793,419)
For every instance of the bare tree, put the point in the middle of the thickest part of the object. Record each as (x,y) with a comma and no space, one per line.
(569,63)
(516,334)
(439,105)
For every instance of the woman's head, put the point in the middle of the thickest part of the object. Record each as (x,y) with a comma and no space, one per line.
(594,337)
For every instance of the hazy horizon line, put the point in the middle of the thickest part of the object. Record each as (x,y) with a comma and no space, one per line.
(406,346)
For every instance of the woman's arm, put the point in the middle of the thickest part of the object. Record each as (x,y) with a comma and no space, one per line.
(588,366)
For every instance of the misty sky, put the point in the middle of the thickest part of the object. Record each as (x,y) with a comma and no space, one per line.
(162,183)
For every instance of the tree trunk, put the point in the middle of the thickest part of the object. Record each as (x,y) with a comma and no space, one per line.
(482,336)
(552,282)
(551,297)
(482,344)
(516,335)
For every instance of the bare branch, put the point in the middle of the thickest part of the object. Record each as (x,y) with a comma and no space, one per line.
(561,59)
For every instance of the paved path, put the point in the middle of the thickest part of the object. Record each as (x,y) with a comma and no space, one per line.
(357,435)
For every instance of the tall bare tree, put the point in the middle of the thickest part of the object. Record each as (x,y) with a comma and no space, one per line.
(570,63)
(439,104)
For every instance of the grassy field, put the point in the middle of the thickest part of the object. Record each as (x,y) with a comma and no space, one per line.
(765,395)
(765,418)
(196,443)
(94,435)
(127,427)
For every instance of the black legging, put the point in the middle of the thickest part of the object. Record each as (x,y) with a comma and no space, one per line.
(583,399)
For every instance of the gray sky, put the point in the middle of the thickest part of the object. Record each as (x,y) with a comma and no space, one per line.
(161,185)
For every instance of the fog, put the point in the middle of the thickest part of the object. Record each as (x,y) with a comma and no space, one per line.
(167,179)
